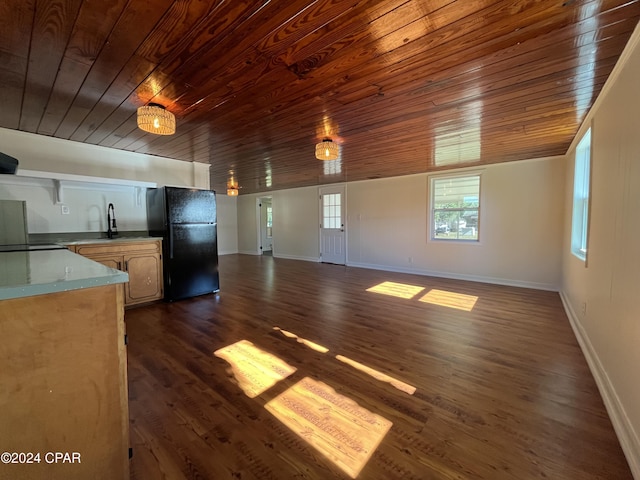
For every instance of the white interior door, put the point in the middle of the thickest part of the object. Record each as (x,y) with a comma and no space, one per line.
(332,223)
(265,225)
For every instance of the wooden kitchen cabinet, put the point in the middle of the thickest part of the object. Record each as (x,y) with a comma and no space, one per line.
(142,260)
(64,383)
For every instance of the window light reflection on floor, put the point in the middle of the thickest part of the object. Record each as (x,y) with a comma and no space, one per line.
(450,299)
(312,345)
(400,385)
(336,426)
(254,369)
(401,290)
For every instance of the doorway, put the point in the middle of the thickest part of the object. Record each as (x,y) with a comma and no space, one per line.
(265,225)
(332,225)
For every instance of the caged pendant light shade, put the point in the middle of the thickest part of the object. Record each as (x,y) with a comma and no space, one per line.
(232,186)
(154,118)
(327,150)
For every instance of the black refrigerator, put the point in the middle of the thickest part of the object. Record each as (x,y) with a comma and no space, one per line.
(186,219)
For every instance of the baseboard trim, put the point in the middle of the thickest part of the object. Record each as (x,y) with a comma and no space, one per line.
(248,252)
(456,276)
(627,436)
(295,257)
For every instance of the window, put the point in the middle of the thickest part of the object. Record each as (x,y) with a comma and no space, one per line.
(580,218)
(269,221)
(455,208)
(331,214)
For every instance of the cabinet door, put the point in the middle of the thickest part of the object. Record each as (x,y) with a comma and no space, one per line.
(145,281)
(141,260)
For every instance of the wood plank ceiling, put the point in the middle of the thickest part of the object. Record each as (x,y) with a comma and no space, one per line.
(403,86)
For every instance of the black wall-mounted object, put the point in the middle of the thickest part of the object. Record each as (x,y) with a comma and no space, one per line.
(8,165)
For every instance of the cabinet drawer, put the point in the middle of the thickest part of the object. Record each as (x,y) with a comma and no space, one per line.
(118,248)
(116,261)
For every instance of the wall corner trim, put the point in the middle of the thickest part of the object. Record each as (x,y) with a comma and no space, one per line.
(627,436)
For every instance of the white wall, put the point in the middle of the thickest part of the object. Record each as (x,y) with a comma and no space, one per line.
(295,223)
(227,223)
(87,202)
(521,226)
(49,154)
(247,225)
(609,330)
(87,205)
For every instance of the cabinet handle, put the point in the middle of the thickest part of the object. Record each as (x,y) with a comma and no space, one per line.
(119,265)
(126,265)
(170,241)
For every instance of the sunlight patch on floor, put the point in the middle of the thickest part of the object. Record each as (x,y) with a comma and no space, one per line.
(312,345)
(254,369)
(400,385)
(336,426)
(401,290)
(450,299)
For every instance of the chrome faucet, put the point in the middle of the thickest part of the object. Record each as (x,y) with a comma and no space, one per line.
(112,229)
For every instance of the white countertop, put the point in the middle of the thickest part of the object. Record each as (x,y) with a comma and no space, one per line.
(24,274)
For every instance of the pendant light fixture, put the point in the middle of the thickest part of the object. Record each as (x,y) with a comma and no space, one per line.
(154,118)
(327,150)
(232,186)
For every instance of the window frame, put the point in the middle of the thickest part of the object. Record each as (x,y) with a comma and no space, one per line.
(580,211)
(331,218)
(431,229)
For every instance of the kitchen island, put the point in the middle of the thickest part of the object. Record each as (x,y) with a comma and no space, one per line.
(63,378)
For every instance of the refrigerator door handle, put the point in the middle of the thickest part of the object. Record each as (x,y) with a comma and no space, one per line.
(170,241)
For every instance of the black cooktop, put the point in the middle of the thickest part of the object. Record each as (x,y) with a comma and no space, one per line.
(30,247)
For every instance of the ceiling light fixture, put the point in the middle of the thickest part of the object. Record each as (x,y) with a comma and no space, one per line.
(327,150)
(154,118)
(233,189)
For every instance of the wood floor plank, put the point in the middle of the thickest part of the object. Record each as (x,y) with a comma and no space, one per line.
(502,390)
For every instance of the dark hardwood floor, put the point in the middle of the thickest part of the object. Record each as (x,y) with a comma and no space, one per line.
(502,391)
